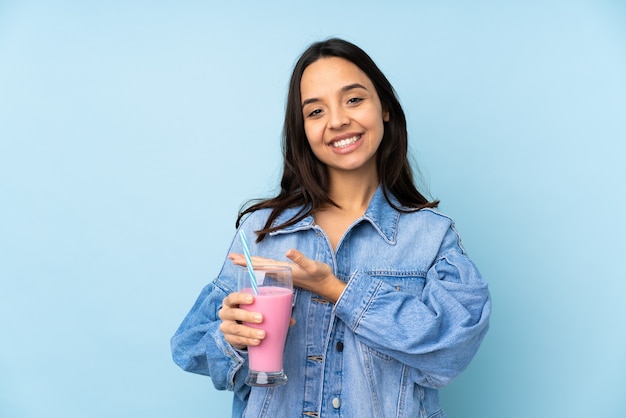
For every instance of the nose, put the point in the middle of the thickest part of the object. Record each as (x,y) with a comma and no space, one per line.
(338,118)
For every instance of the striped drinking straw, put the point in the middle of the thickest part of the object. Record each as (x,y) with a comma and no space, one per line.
(246,253)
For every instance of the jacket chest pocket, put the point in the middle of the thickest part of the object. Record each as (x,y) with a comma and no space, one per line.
(409,282)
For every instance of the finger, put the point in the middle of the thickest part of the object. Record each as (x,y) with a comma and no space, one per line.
(241,335)
(234,299)
(237,323)
(300,259)
(237,259)
(232,309)
(240,260)
(239,315)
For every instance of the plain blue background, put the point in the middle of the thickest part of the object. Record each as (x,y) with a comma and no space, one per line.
(131,132)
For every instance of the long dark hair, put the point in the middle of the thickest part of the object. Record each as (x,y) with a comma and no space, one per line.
(304,182)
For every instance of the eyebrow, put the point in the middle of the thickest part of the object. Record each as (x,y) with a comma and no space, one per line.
(343,90)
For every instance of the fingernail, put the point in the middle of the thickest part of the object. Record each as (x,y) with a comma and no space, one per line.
(260,333)
(258,317)
(249,299)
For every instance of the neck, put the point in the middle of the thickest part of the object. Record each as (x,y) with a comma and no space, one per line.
(352,191)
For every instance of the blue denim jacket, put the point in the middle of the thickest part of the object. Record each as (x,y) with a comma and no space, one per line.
(411,318)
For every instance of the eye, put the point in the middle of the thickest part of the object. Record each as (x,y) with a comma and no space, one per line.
(314,113)
(355,100)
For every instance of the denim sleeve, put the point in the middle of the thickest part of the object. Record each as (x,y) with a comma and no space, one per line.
(436,333)
(198,346)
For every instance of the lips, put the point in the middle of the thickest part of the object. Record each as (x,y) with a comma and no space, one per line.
(346,142)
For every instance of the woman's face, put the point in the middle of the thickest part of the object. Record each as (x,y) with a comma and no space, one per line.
(343,116)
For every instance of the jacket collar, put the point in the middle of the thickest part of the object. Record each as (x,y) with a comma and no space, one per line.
(382,216)
(379,213)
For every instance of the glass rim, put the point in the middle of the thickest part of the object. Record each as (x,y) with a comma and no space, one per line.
(269,267)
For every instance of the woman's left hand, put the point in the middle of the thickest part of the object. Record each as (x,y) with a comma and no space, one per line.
(308,274)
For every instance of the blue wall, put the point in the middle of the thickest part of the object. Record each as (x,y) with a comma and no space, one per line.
(131,133)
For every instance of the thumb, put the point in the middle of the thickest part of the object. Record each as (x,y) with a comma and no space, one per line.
(298,258)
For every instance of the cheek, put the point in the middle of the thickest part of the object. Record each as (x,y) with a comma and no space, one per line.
(377,126)
(315,141)
(313,134)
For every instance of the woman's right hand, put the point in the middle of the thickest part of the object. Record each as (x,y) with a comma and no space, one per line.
(237,334)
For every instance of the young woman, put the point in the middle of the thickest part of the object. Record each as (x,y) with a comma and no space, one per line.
(388,307)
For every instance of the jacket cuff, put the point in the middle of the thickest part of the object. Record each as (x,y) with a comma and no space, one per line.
(237,358)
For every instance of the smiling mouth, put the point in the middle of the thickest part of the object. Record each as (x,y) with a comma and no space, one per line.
(345,142)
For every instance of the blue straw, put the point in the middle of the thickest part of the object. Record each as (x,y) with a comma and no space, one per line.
(246,253)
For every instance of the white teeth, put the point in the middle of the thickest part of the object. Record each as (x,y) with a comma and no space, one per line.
(345,142)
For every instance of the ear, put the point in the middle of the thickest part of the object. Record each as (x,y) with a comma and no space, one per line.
(385,116)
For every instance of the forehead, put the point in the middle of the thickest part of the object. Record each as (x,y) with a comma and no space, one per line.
(330,74)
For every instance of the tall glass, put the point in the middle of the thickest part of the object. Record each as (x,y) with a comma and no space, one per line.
(274,302)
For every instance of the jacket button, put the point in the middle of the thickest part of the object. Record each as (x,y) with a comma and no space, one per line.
(336,403)
(339,346)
